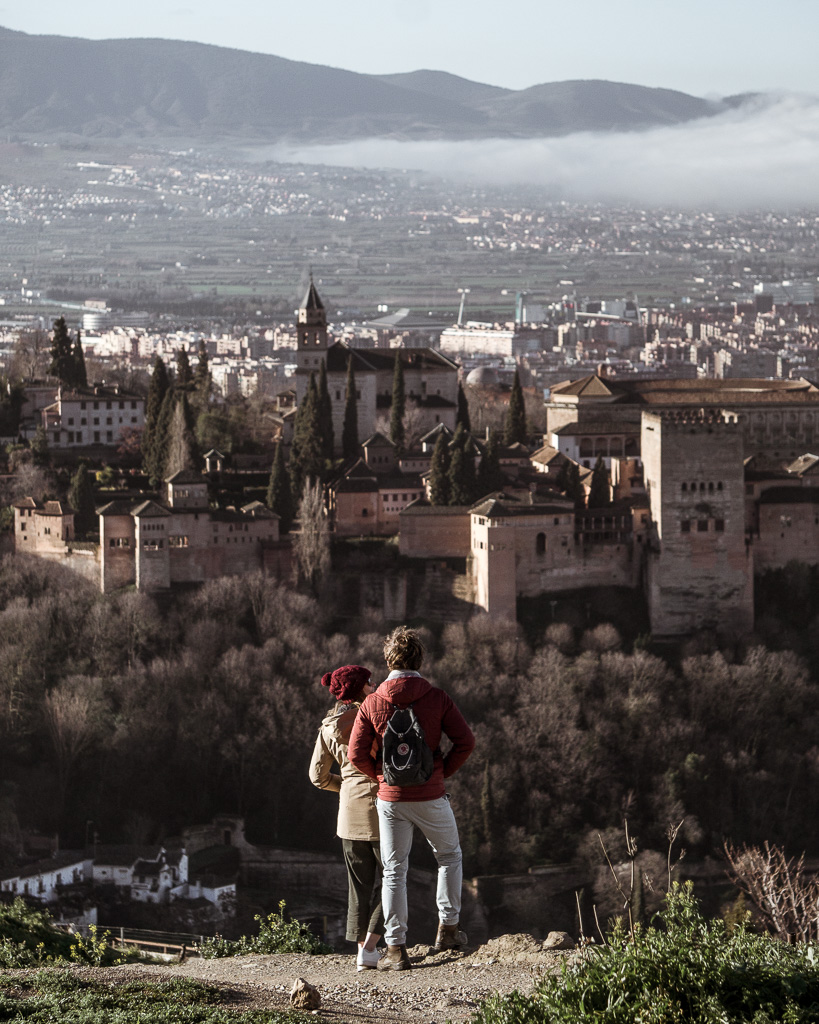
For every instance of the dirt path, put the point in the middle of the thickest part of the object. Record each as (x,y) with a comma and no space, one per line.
(442,987)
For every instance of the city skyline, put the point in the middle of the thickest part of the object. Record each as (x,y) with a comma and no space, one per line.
(714,52)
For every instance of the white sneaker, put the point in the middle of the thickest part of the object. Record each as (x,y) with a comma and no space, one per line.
(367,960)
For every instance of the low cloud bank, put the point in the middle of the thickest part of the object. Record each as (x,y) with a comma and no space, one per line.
(763,154)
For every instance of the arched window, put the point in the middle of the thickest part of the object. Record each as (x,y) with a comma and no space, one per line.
(684,486)
(540,544)
(586,446)
(710,485)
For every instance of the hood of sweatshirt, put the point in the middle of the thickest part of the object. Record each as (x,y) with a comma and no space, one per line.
(339,720)
(403,690)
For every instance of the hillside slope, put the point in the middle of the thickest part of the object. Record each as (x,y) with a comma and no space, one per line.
(53,86)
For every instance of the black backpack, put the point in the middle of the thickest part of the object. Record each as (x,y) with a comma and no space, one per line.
(407,759)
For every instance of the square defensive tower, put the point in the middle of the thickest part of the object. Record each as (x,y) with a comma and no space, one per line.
(699,567)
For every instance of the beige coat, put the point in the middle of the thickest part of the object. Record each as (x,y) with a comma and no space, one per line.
(357,816)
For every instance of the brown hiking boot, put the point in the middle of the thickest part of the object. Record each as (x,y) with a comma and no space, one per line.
(395,959)
(449,936)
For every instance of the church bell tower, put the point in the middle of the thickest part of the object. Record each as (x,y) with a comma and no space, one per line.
(311,330)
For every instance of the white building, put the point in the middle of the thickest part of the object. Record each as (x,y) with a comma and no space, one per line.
(85,416)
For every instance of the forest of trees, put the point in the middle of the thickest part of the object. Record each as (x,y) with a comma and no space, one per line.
(145,718)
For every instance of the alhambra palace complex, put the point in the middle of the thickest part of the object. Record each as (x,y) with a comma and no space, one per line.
(713,481)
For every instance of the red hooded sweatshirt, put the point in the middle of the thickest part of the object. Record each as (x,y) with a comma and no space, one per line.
(437,715)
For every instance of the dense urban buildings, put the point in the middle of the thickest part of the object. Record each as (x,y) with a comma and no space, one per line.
(708,478)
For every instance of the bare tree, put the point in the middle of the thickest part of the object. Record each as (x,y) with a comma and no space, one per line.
(28,481)
(413,422)
(312,543)
(70,714)
(32,355)
(414,425)
(778,888)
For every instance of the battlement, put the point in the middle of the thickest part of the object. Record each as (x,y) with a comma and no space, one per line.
(691,421)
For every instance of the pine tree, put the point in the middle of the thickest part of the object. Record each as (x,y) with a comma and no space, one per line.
(307,450)
(349,436)
(439,472)
(462,415)
(325,412)
(490,474)
(399,403)
(515,427)
(202,380)
(157,390)
(599,492)
(81,499)
(279,494)
(80,375)
(184,374)
(462,483)
(62,355)
(182,451)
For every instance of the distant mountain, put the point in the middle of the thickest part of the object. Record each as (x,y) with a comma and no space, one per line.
(451,87)
(158,89)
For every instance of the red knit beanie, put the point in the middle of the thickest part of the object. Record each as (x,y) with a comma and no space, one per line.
(347,682)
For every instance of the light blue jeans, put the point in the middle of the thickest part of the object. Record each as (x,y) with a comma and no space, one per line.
(436,821)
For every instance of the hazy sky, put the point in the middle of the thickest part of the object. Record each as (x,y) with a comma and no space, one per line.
(704,47)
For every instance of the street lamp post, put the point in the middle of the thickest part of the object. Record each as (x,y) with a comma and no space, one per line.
(463,292)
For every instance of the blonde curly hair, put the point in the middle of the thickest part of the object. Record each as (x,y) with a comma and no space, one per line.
(403,648)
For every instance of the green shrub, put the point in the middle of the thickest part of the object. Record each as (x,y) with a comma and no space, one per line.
(680,969)
(29,939)
(277,934)
(50,996)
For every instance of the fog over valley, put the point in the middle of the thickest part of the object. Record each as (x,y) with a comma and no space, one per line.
(764,153)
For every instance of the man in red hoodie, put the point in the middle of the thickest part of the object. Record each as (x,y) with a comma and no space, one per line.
(426,805)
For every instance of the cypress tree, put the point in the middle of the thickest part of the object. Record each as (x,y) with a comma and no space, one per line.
(156,392)
(184,374)
(462,415)
(156,456)
(182,452)
(462,483)
(81,499)
(599,492)
(399,403)
(490,474)
(325,412)
(349,435)
(202,380)
(279,494)
(62,355)
(574,487)
(515,427)
(439,472)
(80,375)
(306,453)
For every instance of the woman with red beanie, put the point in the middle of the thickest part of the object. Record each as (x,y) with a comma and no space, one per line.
(357,816)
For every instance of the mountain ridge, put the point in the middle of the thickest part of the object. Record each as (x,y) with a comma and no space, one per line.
(161,89)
